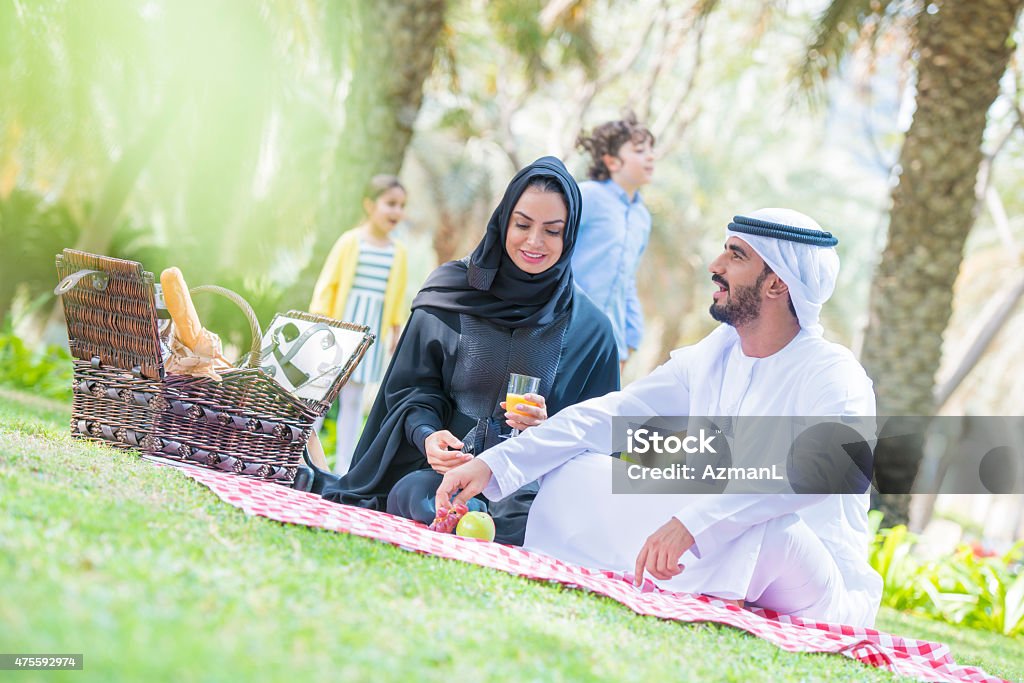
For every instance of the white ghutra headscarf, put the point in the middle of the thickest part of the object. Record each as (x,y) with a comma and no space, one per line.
(796,248)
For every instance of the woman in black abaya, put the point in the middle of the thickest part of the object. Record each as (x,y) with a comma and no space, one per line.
(511,306)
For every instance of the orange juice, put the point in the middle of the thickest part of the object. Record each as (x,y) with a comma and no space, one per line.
(512,400)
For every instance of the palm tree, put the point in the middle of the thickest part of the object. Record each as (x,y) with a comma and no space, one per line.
(141,113)
(962,50)
(75,139)
(385,51)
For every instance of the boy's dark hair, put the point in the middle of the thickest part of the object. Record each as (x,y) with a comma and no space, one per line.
(608,138)
(379,184)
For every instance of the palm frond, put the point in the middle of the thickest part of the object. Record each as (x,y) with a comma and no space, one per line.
(705,7)
(527,28)
(837,31)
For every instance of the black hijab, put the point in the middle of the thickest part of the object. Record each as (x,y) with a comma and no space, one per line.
(490,285)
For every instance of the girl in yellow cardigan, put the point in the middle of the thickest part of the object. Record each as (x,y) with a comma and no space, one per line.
(363,282)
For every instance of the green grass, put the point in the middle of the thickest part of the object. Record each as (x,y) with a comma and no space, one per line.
(150,576)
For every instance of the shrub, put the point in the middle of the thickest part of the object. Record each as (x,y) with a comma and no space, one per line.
(970,587)
(45,371)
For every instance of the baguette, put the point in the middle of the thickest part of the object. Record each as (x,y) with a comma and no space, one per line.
(180,306)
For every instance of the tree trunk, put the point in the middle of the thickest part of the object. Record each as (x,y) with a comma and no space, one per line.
(390,52)
(963,51)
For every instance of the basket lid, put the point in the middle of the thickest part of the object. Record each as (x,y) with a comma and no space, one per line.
(111,312)
(309,365)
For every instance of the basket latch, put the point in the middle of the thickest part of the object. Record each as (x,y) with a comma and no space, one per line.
(99,281)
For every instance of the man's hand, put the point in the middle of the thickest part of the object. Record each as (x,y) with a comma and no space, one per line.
(523,415)
(660,554)
(469,480)
(439,457)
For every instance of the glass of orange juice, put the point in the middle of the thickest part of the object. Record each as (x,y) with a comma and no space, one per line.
(518,385)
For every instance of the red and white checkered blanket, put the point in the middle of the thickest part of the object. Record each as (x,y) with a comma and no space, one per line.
(916,658)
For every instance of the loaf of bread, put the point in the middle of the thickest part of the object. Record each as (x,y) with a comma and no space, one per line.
(179,305)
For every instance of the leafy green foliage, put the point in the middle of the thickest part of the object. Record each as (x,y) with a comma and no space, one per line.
(33,230)
(44,371)
(224,318)
(970,587)
(524,28)
(890,556)
(136,130)
(840,28)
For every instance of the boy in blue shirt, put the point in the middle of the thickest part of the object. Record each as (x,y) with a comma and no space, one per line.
(615,225)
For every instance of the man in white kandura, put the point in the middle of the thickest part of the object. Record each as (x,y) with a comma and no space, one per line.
(799,554)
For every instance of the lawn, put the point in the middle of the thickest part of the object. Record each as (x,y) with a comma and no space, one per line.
(151,577)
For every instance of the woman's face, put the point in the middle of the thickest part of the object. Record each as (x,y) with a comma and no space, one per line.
(535,230)
(387,210)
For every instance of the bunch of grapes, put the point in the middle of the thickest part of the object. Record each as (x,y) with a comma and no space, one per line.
(447,519)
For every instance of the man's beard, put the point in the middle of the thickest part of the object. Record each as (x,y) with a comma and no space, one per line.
(744,305)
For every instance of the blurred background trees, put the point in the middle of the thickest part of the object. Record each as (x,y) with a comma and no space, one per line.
(232,139)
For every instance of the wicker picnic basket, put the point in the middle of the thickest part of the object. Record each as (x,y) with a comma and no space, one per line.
(247,423)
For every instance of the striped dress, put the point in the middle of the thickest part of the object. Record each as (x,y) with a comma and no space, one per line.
(365,305)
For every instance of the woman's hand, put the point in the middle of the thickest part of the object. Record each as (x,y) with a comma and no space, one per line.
(531,415)
(443,451)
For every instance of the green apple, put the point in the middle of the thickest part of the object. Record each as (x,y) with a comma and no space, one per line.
(476,525)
